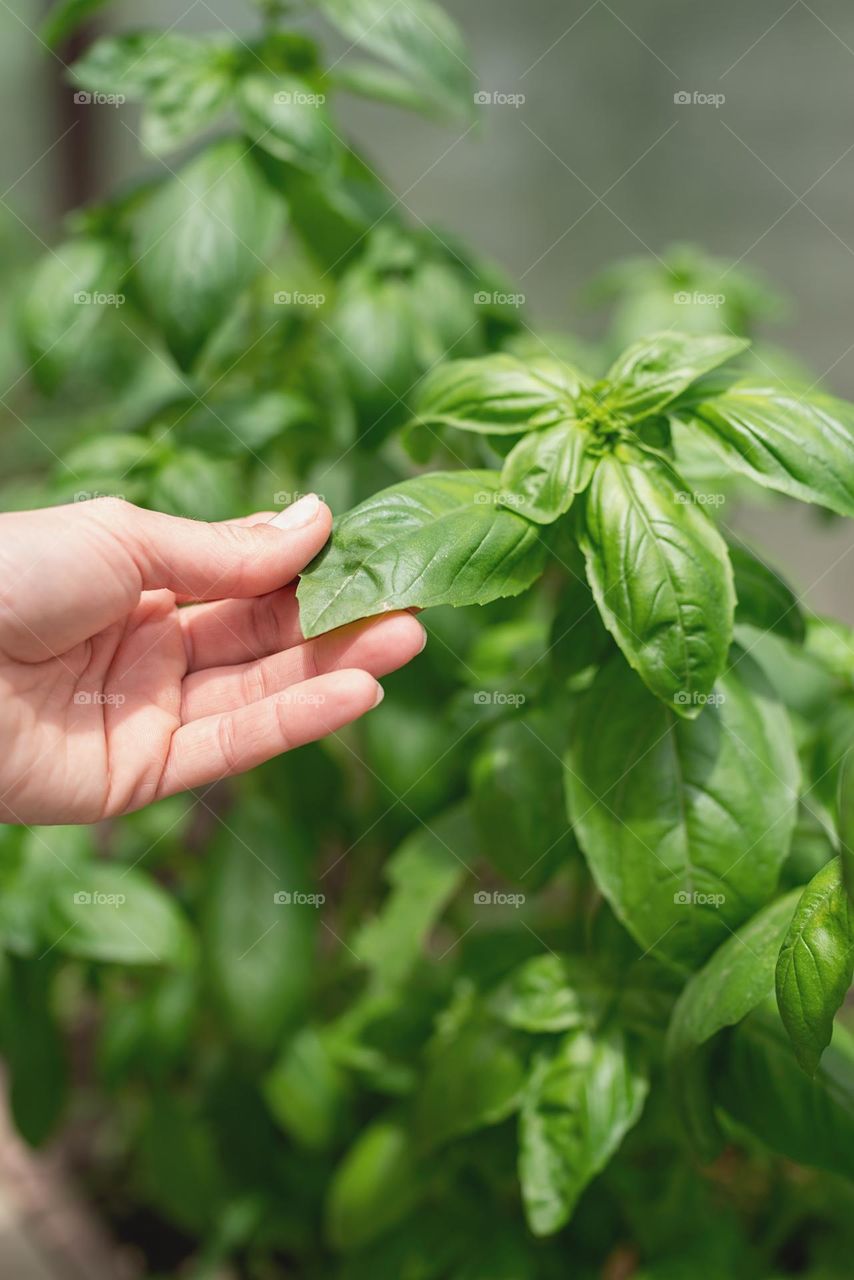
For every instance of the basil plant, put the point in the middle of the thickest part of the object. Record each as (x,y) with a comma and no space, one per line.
(540,969)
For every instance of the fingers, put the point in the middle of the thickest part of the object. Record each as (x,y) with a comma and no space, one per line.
(221,745)
(377,646)
(231,631)
(215,561)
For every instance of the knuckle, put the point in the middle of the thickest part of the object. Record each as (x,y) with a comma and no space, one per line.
(254,685)
(226,738)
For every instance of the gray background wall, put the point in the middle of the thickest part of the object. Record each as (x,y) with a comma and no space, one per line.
(766,178)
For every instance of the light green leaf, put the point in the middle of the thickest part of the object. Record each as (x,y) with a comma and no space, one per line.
(435,539)
(685,824)
(797,445)
(816,964)
(497,394)
(259,925)
(661,577)
(550,993)
(70,292)
(373,1187)
(200,240)
(195,485)
(474,1079)
(370,80)
(653,372)
(546,469)
(424,873)
(418,38)
(764,600)
(305,1090)
(581,1100)
(287,117)
(119,915)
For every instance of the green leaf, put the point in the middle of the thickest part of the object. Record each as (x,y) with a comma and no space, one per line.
(845,818)
(369,80)
(578,638)
(375,1185)
(259,925)
(305,1090)
(287,117)
(653,372)
(517,798)
(685,824)
(809,1119)
(496,395)
(764,600)
(549,993)
(546,469)
(199,243)
(424,873)
(184,82)
(69,294)
(194,485)
(241,422)
(33,1049)
(119,915)
(418,39)
(661,577)
(65,17)
(816,964)
(435,539)
(474,1079)
(581,1100)
(803,447)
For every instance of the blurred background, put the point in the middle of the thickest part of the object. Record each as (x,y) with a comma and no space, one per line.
(596,164)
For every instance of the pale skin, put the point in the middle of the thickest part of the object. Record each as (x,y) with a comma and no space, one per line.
(114,692)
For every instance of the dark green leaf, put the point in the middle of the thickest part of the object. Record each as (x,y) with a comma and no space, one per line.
(797,445)
(816,964)
(373,1187)
(418,38)
(435,539)
(497,395)
(65,16)
(33,1049)
(764,600)
(474,1079)
(579,1103)
(241,422)
(200,241)
(661,576)
(845,818)
(70,292)
(685,824)
(546,469)
(656,370)
(287,117)
(119,915)
(517,798)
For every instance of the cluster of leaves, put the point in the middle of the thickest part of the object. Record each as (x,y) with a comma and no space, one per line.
(544,959)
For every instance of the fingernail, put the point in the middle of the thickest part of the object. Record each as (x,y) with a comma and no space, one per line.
(423,640)
(379,697)
(299,514)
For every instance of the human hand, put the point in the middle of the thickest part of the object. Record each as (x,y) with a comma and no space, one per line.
(111,696)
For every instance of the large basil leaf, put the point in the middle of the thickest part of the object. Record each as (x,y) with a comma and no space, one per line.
(661,577)
(685,824)
(183,82)
(738,977)
(69,294)
(546,469)
(764,599)
(816,964)
(517,794)
(435,539)
(653,372)
(199,242)
(803,447)
(497,395)
(580,1101)
(288,118)
(415,36)
(259,925)
(760,1085)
